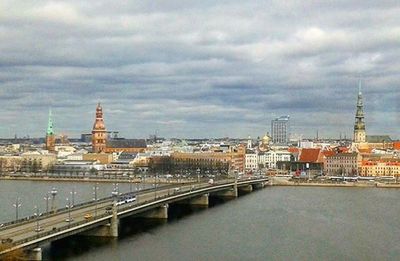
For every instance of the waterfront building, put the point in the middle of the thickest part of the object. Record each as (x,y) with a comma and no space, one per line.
(280,130)
(99,133)
(381,167)
(343,164)
(50,137)
(35,161)
(270,158)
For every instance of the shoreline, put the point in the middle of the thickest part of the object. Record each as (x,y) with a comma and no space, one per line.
(100,180)
(275,182)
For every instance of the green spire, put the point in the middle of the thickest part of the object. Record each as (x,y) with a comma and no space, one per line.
(50,130)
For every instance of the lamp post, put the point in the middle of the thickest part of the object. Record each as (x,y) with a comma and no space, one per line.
(36,214)
(69,211)
(47,198)
(95,188)
(17,205)
(53,193)
(73,193)
(115,191)
(198,175)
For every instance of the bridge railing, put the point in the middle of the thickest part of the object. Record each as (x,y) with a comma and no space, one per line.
(28,219)
(56,230)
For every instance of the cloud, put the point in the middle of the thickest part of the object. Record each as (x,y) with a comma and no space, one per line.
(198,68)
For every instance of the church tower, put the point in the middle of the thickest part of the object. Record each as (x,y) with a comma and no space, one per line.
(50,138)
(99,133)
(359,125)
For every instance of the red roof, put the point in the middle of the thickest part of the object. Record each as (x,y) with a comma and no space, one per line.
(293,150)
(310,155)
(328,153)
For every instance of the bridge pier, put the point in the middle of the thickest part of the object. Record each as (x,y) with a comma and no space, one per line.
(160,212)
(229,193)
(106,230)
(34,254)
(259,185)
(246,188)
(201,200)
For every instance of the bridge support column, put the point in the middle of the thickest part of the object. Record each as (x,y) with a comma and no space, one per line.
(34,254)
(247,188)
(160,212)
(199,201)
(106,230)
(259,185)
(229,193)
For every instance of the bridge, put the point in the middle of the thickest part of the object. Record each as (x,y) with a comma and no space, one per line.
(101,218)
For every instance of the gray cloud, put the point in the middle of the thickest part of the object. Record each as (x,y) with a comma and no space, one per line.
(198,68)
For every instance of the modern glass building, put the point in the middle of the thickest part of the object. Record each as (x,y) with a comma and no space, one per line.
(280,130)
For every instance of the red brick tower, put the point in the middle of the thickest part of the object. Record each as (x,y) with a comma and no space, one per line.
(99,134)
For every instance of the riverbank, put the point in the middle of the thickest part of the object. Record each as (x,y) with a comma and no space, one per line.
(285,182)
(103,180)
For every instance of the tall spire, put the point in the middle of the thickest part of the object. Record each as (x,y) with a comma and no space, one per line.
(50,138)
(50,130)
(99,134)
(359,125)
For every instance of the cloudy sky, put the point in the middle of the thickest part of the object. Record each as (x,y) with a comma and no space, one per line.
(198,68)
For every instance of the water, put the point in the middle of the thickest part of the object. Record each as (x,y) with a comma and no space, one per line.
(31,193)
(276,223)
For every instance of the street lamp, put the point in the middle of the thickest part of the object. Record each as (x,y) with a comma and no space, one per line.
(73,193)
(198,175)
(36,214)
(130,183)
(69,211)
(95,188)
(17,205)
(53,193)
(47,198)
(115,191)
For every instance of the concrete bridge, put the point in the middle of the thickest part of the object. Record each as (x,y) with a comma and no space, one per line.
(101,218)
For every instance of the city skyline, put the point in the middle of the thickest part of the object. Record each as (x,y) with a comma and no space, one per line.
(198,69)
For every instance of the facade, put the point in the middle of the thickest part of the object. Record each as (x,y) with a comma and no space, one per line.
(280,130)
(102,158)
(50,137)
(35,161)
(251,161)
(359,125)
(343,164)
(379,168)
(99,133)
(269,159)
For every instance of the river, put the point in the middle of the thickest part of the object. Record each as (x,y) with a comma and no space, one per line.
(276,223)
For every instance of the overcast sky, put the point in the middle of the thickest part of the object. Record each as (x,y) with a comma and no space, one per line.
(198,68)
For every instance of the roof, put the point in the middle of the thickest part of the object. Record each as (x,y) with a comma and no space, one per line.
(126,143)
(310,155)
(378,138)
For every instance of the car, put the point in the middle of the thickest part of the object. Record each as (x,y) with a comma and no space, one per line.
(69,219)
(88,216)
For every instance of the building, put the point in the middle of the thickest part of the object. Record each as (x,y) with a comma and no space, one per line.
(250,161)
(379,142)
(102,158)
(125,145)
(343,164)
(36,161)
(50,137)
(280,130)
(99,133)
(270,158)
(381,167)
(359,124)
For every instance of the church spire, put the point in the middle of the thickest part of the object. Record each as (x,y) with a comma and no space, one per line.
(50,138)
(359,125)
(50,130)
